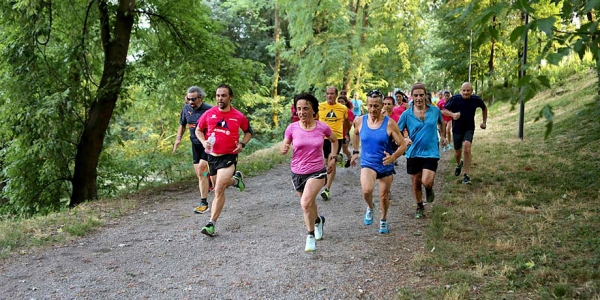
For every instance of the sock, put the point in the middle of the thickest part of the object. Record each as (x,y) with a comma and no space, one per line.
(428,191)
(311,233)
(383,220)
(318,220)
(204,200)
(420,205)
(211,222)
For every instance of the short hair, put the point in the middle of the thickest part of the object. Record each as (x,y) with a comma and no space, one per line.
(223,85)
(198,90)
(314,103)
(332,87)
(418,86)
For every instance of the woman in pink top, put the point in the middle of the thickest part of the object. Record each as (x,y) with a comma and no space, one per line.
(344,100)
(309,173)
(447,120)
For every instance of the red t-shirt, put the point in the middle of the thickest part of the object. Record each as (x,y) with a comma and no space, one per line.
(226,126)
(441,105)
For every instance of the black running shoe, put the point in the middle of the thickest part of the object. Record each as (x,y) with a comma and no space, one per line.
(458,169)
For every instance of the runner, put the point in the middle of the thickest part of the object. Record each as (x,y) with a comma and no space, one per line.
(335,115)
(191,112)
(423,152)
(223,122)
(309,173)
(462,110)
(376,132)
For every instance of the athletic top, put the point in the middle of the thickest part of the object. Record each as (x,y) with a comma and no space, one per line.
(441,105)
(467,108)
(425,143)
(357,110)
(307,155)
(189,116)
(334,116)
(373,143)
(226,126)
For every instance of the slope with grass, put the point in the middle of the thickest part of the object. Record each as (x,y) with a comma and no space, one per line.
(529,225)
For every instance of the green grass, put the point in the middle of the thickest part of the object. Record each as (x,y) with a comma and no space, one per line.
(529,225)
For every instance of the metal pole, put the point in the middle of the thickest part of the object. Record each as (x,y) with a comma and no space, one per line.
(470,53)
(521,101)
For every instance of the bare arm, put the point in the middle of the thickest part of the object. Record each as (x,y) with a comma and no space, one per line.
(484,112)
(285,146)
(180,131)
(395,133)
(356,140)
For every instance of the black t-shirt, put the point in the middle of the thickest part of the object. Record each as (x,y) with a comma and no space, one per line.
(467,108)
(190,117)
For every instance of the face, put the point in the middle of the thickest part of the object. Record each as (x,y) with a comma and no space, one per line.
(388,105)
(342,101)
(447,96)
(419,98)
(304,110)
(374,106)
(331,95)
(466,90)
(193,100)
(223,98)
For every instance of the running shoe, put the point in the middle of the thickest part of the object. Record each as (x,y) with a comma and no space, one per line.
(429,195)
(347,165)
(420,213)
(466,179)
(201,208)
(209,229)
(319,228)
(311,244)
(383,227)
(458,169)
(239,178)
(368,217)
(325,194)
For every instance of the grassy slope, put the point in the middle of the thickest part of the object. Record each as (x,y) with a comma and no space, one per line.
(529,225)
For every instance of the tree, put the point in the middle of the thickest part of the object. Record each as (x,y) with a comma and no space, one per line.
(73,59)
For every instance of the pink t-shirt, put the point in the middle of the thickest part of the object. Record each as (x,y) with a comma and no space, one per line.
(226,126)
(307,156)
(441,105)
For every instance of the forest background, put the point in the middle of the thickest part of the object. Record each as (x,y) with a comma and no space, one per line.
(92,90)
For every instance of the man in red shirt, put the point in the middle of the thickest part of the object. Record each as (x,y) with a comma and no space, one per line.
(224,122)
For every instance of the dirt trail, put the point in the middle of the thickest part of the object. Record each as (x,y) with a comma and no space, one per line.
(158,252)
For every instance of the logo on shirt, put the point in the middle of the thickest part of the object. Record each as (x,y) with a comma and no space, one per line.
(222,124)
(331,114)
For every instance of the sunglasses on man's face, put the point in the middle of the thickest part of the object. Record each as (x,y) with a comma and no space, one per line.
(192,99)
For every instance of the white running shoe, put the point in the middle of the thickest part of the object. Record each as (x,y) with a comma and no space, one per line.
(319,228)
(311,244)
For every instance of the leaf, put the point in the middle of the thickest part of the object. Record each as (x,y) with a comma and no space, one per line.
(517,33)
(545,25)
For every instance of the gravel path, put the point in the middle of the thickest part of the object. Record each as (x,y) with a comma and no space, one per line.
(158,252)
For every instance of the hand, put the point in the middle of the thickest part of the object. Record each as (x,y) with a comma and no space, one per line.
(408,141)
(284,148)
(388,159)
(176,145)
(330,165)
(353,160)
(444,142)
(456,116)
(482,125)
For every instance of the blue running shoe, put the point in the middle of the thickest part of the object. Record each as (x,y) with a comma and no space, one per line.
(368,217)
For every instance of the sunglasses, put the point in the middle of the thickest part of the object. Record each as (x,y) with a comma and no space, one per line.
(192,99)
(374,94)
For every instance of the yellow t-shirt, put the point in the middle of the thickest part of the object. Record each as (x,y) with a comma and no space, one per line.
(334,116)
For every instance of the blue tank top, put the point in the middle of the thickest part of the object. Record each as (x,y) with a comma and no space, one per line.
(374,142)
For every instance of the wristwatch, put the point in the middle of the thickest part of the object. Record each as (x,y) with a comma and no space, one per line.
(243,144)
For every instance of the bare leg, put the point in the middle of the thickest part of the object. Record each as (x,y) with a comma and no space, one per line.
(308,202)
(200,169)
(367,183)
(222,180)
(384,194)
(467,159)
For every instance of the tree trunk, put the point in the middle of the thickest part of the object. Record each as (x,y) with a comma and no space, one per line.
(92,137)
(277,68)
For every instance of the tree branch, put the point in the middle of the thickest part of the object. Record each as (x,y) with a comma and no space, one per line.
(172,28)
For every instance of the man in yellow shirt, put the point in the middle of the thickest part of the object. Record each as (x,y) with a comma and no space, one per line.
(335,115)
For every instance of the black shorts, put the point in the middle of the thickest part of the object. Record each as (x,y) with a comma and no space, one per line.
(199,153)
(299,180)
(416,165)
(327,147)
(221,162)
(459,137)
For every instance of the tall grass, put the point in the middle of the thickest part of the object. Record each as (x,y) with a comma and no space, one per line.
(529,225)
